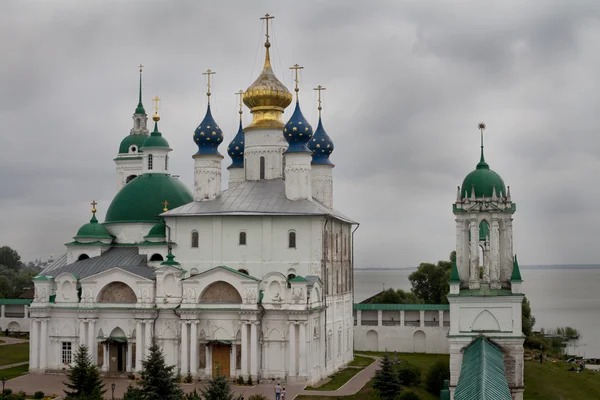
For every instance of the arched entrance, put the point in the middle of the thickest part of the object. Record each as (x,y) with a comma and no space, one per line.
(372,341)
(114,354)
(419,345)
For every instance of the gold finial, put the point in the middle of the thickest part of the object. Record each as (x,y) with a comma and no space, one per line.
(165,204)
(296,67)
(93,203)
(156,117)
(319,89)
(208,73)
(241,94)
(141,66)
(267,17)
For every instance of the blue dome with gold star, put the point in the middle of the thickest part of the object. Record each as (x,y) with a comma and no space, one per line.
(321,146)
(297,132)
(208,136)
(236,149)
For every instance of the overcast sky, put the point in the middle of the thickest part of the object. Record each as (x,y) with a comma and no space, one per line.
(407,83)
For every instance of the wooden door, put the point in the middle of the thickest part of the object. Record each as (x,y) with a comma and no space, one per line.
(221,359)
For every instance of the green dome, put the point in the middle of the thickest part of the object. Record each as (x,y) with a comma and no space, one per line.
(157,231)
(130,140)
(141,200)
(156,139)
(484,180)
(93,230)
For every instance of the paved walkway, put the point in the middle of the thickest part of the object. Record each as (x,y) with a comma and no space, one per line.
(13,365)
(53,384)
(12,340)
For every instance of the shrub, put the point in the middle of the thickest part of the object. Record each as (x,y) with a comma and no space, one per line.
(38,395)
(409,395)
(240,380)
(437,373)
(409,375)
(386,381)
(257,397)
(188,378)
(249,381)
(7,392)
(192,395)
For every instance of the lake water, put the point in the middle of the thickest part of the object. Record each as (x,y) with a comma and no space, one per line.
(559,296)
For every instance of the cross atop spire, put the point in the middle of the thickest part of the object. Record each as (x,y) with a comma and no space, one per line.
(241,94)
(319,89)
(482,163)
(93,203)
(140,106)
(208,73)
(165,204)
(296,67)
(267,17)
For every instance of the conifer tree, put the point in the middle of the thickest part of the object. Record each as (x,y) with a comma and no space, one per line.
(219,389)
(84,378)
(386,381)
(159,381)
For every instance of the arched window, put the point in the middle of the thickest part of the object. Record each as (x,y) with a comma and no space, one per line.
(243,271)
(132,149)
(194,239)
(130,178)
(156,257)
(83,257)
(149,161)
(262,168)
(242,241)
(289,278)
(137,123)
(292,240)
(166,162)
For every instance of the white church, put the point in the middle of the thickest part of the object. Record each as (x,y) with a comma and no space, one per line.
(254,280)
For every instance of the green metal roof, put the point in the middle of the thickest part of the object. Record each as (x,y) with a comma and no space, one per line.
(170,260)
(141,200)
(93,230)
(156,139)
(129,140)
(398,307)
(11,302)
(516,272)
(454,277)
(298,279)
(484,292)
(157,231)
(482,373)
(483,180)
(235,271)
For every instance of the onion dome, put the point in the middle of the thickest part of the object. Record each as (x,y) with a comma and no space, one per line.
(156,139)
(483,180)
(297,132)
(208,136)
(158,231)
(141,199)
(93,230)
(132,144)
(236,149)
(267,98)
(321,146)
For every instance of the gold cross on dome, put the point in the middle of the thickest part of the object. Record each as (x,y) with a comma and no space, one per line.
(93,203)
(165,204)
(141,66)
(296,67)
(208,73)
(319,89)
(156,99)
(267,17)
(241,94)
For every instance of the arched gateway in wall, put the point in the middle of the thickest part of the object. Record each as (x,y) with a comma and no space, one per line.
(372,341)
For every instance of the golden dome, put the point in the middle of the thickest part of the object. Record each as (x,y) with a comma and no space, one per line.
(267,98)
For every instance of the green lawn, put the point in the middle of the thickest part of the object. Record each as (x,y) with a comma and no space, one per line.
(554,381)
(338,380)
(2,341)
(360,361)
(13,372)
(14,353)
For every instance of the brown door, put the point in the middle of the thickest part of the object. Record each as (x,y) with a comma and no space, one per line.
(220,359)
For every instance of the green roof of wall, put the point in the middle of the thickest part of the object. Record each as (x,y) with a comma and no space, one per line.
(398,307)
(10,302)
(141,200)
(482,373)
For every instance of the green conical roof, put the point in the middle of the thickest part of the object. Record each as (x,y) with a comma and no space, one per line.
(170,260)
(454,277)
(93,230)
(516,272)
(155,139)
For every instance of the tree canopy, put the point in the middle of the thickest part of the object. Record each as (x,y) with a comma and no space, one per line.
(430,281)
(9,258)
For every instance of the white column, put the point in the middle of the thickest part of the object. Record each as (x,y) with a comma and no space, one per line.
(441,316)
(495,254)
(129,355)
(244,344)
(422,318)
(184,348)
(105,357)
(43,343)
(91,342)
(358,317)
(508,235)
(254,350)
(460,249)
(2,312)
(194,348)
(401,317)
(292,350)
(207,362)
(34,339)
(139,345)
(233,360)
(82,332)
(147,336)
(379,317)
(302,350)
(474,256)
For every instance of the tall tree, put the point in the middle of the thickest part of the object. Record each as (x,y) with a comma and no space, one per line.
(9,258)
(84,378)
(391,296)
(430,282)
(386,381)
(527,319)
(159,381)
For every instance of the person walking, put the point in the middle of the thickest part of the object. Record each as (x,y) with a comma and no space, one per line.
(278,391)
(283,394)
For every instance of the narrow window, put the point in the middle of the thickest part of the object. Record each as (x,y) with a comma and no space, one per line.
(166,162)
(194,239)
(137,123)
(83,257)
(289,278)
(262,168)
(242,241)
(66,352)
(149,161)
(292,240)
(243,271)
(156,257)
